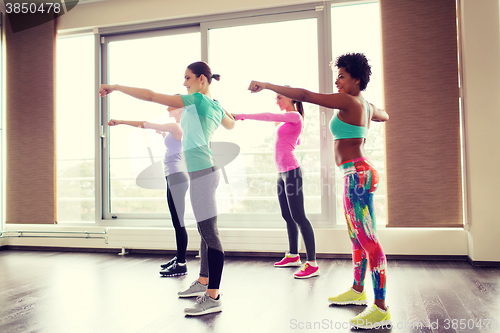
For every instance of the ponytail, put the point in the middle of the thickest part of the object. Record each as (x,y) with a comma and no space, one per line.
(299,107)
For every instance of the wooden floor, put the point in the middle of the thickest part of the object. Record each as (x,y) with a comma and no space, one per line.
(93,292)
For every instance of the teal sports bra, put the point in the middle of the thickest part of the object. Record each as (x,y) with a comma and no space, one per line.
(342,130)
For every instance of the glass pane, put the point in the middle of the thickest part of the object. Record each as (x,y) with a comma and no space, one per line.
(267,52)
(156,63)
(364,37)
(75,121)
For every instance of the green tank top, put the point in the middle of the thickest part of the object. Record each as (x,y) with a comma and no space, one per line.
(199,120)
(343,130)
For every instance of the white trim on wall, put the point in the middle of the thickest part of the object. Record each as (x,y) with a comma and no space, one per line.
(396,241)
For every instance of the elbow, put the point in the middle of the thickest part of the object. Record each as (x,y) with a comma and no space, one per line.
(229,125)
(305,95)
(150,96)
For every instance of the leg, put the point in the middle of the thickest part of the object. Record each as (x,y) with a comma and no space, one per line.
(177,185)
(361,218)
(295,197)
(203,261)
(291,226)
(203,186)
(358,254)
(214,253)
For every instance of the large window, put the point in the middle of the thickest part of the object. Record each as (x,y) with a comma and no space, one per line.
(289,47)
(267,52)
(364,37)
(155,61)
(75,123)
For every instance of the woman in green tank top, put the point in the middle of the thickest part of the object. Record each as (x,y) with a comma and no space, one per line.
(200,118)
(349,128)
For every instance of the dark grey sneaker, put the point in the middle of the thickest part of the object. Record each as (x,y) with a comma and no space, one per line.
(168,264)
(174,270)
(204,305)
(196,289)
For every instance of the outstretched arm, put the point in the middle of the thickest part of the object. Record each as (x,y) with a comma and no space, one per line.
(379,115)
(173,128)
(143,94)
(286,117)
(332,101)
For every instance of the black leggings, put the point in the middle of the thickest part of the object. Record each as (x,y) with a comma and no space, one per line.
(291,199)
(177,185)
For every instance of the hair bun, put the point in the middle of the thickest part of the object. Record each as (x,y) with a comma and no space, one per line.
(216,77)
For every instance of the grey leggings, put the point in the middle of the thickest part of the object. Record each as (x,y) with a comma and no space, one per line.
(291,199)
(203,184)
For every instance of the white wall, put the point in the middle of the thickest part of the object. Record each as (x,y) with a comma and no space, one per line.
(482,104)
(481,63)
(119,12)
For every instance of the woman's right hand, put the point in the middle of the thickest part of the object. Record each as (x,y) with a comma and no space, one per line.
(256,86)
(234,115)
(113,122)
(163,134)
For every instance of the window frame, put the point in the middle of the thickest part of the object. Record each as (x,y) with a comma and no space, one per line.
(319,10)
(322,219)
(105,201)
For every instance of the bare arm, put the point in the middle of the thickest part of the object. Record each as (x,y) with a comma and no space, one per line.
(228,121)
(379,115)
(143,94)
(115,122)
(173,128)
(288,117)
(332,101)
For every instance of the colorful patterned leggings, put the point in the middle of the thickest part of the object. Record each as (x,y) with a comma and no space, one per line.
(360,181)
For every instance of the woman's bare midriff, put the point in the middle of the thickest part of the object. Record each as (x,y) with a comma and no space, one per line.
(348,149)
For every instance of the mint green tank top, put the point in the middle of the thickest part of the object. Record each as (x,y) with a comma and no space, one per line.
(199,120)
(342,130)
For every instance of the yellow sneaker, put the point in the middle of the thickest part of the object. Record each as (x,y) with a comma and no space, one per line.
(349,297)
(372,317)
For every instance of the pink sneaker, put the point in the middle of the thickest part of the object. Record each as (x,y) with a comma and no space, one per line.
(307,271)
(288,261)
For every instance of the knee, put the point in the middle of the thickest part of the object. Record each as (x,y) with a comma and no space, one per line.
(287,216)
(358,255)
(376,254)
(300,218)
(372,248)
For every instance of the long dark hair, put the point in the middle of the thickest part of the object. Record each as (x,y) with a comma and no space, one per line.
(201,67)
(299,107)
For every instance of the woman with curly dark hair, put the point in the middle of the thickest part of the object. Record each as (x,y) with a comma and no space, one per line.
(349,128)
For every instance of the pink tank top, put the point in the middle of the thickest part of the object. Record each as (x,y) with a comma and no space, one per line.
(287,136)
